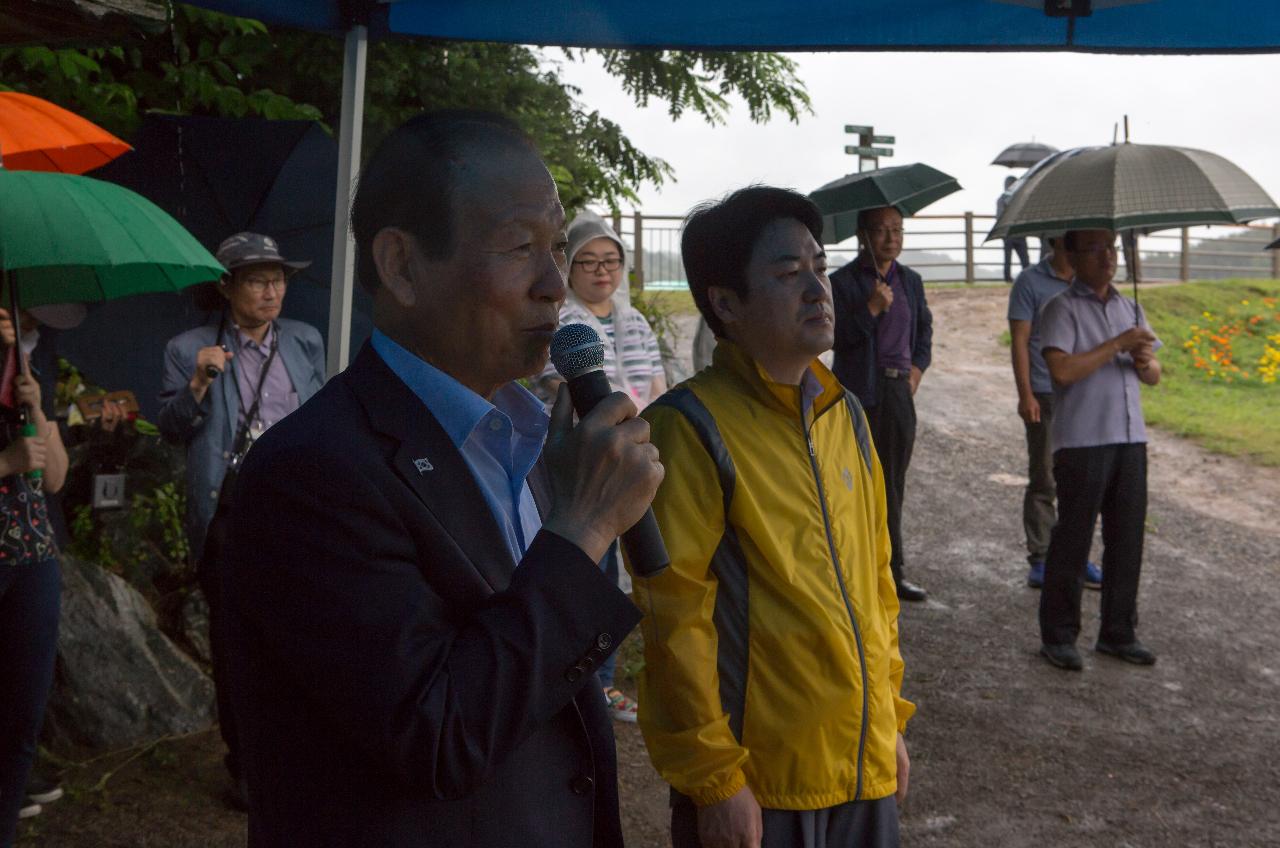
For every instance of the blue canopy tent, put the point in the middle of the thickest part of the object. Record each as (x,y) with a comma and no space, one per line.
(1100,26)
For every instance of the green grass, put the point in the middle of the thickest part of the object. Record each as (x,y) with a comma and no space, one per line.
(672,302)
(1241,418)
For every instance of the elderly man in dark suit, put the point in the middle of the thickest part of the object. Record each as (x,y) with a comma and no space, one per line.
(883,346)
(417,607)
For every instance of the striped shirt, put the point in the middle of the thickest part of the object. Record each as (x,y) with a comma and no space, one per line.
(628,340)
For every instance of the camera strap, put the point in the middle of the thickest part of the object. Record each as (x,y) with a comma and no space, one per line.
(241,444)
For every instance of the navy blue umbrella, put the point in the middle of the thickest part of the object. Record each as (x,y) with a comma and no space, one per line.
(217,176)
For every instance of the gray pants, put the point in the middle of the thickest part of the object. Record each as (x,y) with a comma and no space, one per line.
(1038,513)
(857,824)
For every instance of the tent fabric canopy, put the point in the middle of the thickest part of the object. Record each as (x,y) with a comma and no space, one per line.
(1131,26)
(1115,26)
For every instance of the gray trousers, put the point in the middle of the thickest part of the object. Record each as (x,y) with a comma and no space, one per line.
(1038,513)
(857,824)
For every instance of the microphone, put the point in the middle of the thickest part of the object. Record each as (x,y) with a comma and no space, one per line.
(578,354)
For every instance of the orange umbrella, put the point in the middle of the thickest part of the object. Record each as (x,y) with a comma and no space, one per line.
(36,135)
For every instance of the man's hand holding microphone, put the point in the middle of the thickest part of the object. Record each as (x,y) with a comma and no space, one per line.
(604,470)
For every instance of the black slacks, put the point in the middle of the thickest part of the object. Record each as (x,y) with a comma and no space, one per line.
(1018,244)
(856,824)
(1111,481)
(893,428)
(1038,512)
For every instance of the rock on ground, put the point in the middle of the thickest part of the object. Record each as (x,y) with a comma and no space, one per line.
(119,680)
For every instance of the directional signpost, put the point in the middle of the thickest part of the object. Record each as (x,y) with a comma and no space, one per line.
(865,149)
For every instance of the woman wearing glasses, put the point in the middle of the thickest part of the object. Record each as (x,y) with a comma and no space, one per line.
(597,259)
(632,360)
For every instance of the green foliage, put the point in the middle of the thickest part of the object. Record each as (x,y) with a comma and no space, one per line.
(630,658)
(204,64)
(212,64)
(1235,418)
(703,81)
(144,542)
(662,320)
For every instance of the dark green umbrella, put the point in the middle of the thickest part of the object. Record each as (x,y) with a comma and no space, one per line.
(69,239)
(908,188)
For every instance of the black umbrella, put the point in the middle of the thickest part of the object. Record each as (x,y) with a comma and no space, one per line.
(1023,155)
(218,176)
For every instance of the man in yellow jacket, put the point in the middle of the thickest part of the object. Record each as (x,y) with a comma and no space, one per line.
(770,698)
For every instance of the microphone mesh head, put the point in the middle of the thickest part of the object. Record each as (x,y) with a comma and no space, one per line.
(576,349)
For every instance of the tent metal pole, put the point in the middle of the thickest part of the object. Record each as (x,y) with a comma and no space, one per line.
(355,57)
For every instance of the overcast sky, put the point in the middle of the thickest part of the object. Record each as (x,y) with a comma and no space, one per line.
(956,111)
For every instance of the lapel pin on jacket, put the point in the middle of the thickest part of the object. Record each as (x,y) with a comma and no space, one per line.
(423,465)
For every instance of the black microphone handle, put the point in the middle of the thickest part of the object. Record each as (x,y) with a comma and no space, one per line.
(211,372)
(646,551)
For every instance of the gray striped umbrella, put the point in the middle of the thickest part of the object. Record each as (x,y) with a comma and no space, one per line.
(1024,155)
(1133,186)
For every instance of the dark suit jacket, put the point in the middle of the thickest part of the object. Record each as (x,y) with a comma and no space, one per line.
(854,360)
(397,679)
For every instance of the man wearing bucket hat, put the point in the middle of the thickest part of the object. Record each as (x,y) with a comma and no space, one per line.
(224,384)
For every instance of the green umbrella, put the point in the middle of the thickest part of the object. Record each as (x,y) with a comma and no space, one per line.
(908,188)
(1133,186)
(67,239)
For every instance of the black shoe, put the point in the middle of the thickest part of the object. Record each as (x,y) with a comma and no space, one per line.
(908,591)
(1062,656)
(41,791)
(1134,652)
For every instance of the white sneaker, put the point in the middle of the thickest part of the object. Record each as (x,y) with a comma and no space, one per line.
(41,791)
(30,810)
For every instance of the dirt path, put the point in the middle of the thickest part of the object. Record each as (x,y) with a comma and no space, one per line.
(1009,752)
(1006,751)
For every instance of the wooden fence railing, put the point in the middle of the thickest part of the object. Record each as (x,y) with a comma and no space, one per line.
(952,248)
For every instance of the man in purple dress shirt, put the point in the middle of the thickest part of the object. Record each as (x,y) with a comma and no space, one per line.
(1099,349)
(211,379)
(884,344)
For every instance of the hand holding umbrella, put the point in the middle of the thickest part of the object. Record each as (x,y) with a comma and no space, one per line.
(19,390)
